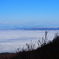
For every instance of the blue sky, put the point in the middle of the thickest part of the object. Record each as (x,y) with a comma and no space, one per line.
(29,13)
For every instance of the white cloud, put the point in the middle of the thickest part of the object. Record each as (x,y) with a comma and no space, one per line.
(10,40)
(6,22)
(0,22)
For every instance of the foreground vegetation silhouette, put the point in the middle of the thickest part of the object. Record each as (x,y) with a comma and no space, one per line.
(46,51)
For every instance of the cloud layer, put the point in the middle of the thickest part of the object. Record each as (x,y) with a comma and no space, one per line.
(10,40)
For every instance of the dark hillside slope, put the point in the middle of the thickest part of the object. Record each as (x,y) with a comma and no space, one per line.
(49,51)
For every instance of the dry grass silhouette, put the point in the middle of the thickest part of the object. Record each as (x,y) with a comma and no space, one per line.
(48,50)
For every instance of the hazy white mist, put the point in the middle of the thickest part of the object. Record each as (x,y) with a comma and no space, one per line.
(10,40)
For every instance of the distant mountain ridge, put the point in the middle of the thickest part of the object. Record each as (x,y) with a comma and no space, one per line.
(17,28)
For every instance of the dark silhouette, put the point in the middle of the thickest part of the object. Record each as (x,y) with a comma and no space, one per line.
(48,51)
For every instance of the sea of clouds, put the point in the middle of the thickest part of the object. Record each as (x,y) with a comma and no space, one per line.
(10,40)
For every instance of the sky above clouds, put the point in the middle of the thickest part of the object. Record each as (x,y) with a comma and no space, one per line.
(29,13)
